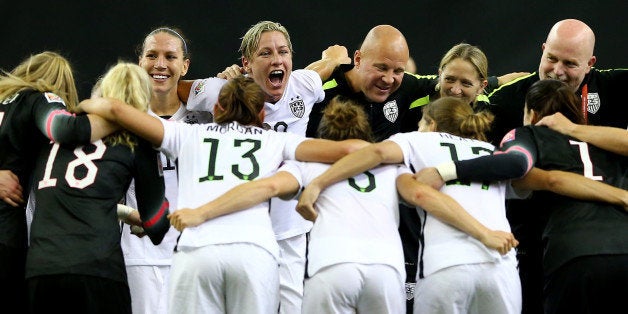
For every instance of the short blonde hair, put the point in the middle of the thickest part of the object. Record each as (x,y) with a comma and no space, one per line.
(250,40)
(131,84)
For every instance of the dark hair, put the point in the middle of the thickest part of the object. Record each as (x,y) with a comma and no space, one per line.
(174,31)
(241,100)
(550,96)
(344,119)
(452,115)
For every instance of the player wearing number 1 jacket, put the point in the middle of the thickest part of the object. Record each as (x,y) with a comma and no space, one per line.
(585,253)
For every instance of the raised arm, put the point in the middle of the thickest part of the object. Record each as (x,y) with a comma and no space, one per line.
(446,209)
(349,166)
(330,59)
(572,185)
(608,138)
(238,198)
(231,71)
(130,118)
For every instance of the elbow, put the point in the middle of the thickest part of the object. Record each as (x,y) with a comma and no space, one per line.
(520,171)
(552,182)
(116,108)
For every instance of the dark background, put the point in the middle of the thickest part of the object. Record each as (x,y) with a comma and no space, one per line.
(94,35)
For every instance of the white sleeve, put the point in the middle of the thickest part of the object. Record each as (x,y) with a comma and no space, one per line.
(293,141)
(171,141)
(295,168)
(313,80)
(204,94)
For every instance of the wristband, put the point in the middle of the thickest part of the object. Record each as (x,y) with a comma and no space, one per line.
(447,171)
(124,211)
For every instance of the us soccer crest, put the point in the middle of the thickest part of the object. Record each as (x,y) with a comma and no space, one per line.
(199,88)
(391,111)
(593,102)
(297,107)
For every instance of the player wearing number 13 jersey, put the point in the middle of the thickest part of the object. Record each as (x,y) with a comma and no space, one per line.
(227,264)
(290,113)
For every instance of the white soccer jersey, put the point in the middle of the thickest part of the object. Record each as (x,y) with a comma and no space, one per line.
(290,114)
(214,158)
(445,245)
(357,218)
(141,251)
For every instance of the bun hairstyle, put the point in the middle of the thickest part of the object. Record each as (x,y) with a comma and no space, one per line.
(344,119)
(240,100)
(549,96)
(452,115)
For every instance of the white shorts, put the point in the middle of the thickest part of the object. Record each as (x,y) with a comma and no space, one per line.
(224,278)
(291,273)
(470,288)
(149,288)
(355,288)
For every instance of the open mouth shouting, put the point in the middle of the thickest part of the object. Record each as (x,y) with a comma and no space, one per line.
(276,78)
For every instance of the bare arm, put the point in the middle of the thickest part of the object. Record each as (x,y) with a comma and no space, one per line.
(130,118)
(101,127)
(231,72)
(609,138)
(238,198)
(330,59)
(446,209)
(501,80)
(183,89)
(572,185)
(349,166)
(327,151)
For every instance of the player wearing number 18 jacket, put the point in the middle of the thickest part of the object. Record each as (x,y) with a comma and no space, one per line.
(75,229)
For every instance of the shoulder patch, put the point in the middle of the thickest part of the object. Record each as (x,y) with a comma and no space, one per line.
(52,97)
(199,88)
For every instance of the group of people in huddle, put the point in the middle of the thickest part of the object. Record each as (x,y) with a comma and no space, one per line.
(350,186)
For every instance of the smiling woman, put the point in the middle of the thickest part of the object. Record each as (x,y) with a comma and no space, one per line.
(164,54)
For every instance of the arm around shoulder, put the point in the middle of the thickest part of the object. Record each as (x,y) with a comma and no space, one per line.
(609,138)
